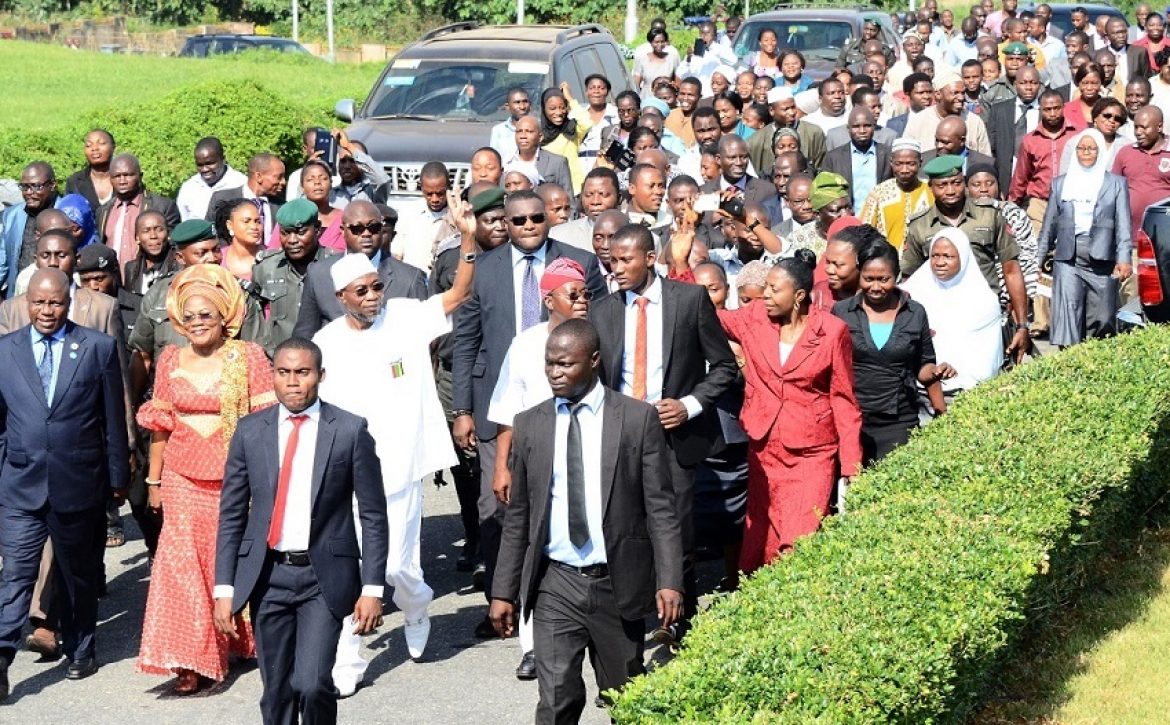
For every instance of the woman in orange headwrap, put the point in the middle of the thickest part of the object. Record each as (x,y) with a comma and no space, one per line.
(200,391)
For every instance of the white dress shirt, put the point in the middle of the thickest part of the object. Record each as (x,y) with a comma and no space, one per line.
(1122,57)
(503,138)
(419,232)
(518,267)
(522,382)
(298,502)
(194,195)
(560,547)
(655,363)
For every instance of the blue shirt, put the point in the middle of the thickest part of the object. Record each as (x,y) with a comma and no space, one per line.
(880,332)
(57,343)
(864,173)
(560,547)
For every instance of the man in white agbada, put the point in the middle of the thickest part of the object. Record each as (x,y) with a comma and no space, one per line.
(381,370)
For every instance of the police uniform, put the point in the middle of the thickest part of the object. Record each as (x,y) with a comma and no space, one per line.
(280,287)
(991,241)
(153,330)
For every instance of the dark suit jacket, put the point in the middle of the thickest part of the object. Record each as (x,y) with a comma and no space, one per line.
(973,158)
(1111,239)
(1139,63)
(225,195)
(80,183)
(486,324)
(757,191)
(1000,120)
(345,466)
(840,161)
(68,452)
(897,124)
(554,169)
(150,202)
(319,305)
(643,538)
(696,359)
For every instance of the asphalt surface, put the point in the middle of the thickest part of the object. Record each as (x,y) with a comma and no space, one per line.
(459,679)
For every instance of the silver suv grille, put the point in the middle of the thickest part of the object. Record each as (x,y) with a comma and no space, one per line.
(404,178)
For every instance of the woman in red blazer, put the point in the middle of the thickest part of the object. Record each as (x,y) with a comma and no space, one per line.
(802,421)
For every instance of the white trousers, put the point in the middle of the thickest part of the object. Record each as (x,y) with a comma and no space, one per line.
(403,572)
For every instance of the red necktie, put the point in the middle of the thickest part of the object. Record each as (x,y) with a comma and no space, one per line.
(639,391)
(290,450)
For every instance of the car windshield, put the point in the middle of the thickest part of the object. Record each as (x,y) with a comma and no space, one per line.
(284,46)
(455,90)
(821,39)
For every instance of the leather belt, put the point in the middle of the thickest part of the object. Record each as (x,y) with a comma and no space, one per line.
(291,558)
(593,571)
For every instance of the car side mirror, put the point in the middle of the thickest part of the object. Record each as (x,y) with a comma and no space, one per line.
(344,109)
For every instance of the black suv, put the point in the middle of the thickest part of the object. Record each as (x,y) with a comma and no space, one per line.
(818,33)
(201,46)
(438,99)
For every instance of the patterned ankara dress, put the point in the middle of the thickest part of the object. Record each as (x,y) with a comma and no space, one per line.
(178,630)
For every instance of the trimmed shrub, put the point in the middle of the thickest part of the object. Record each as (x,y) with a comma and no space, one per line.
(902,609)
(247,117)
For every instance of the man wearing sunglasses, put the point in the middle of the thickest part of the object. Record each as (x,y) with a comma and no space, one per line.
(280,273)
(379,360)
(361,227)
(505,301)
(38,187)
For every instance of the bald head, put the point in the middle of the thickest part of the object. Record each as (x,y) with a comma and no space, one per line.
(655,157)
(126,162)
(358,209)
(53,220)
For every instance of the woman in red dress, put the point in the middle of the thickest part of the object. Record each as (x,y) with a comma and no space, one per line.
(799,412)
(200,392)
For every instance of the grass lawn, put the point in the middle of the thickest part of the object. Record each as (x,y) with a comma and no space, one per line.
(1105,660)
(48,85)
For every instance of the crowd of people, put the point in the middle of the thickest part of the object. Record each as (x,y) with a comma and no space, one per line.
(627,362)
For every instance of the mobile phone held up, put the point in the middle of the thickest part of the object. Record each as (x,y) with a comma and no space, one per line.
(326,144)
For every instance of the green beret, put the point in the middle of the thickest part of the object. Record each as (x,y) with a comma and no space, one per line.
(1016,48)
(943,166)
(487,200)
(191,231)
(295,213)
(827,188)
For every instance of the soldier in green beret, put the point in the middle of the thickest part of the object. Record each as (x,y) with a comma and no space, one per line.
(991,242)
(280,273)
(195,243)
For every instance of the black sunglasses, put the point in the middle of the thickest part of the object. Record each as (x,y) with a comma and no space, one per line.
(519,221)
(365,290)
(372,228)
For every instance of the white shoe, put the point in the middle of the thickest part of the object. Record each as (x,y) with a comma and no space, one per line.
(417,634)
(345,689)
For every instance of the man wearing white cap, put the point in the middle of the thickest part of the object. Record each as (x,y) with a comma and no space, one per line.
(949,94)
(782,104)
(893,202)
(380,368)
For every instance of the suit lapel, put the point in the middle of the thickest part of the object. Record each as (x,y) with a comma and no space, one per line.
(542,473)
(272,450)
(669,316)
(26,362)
(615,326)
(805,346)
(505,274)
(771,344)
(73,350)
(611,437)
(325,433)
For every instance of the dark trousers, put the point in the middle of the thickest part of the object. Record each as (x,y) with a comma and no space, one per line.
(682,480)
(296,642)
(574,613)
(491,514)
(77,563)
(465,473)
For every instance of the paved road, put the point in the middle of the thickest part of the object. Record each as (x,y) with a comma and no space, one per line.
(458,679)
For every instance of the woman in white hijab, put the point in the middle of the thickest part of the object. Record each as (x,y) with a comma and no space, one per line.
(1087,229)
(964,313)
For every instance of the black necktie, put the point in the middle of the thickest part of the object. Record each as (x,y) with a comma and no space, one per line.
(575,474)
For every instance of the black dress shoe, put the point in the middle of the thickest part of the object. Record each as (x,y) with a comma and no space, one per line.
(485,630)
(526,670)
(479,577)
(80,669)
(3,681)
(465,562)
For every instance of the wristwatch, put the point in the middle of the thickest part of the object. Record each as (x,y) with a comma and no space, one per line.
(469,257)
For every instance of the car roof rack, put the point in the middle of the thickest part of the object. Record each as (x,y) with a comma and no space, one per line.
(579,30)
(452,28)
(822,5)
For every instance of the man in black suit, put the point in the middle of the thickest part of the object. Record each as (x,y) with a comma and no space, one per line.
(287,543)
(116,218)
(63,449)
(1132,62)
(861,158)
(1008,122)
(591,543)
(734,181)
(361,226)
(662,343)
(265,186)
(505,301)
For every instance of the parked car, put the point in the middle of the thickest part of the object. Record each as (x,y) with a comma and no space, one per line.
(438,99)
(201,46)
(1062,14)
(818,33)
(1153,262)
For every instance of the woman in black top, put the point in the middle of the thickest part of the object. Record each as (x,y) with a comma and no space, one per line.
(892,353)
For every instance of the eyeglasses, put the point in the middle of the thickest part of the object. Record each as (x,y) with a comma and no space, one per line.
(519,221)
(575,295)
(372,228)
(37,185)
(364,290)
(190,317)
(1113,117)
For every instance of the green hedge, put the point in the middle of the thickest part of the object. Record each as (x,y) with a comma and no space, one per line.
(248,117)
(903,609)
